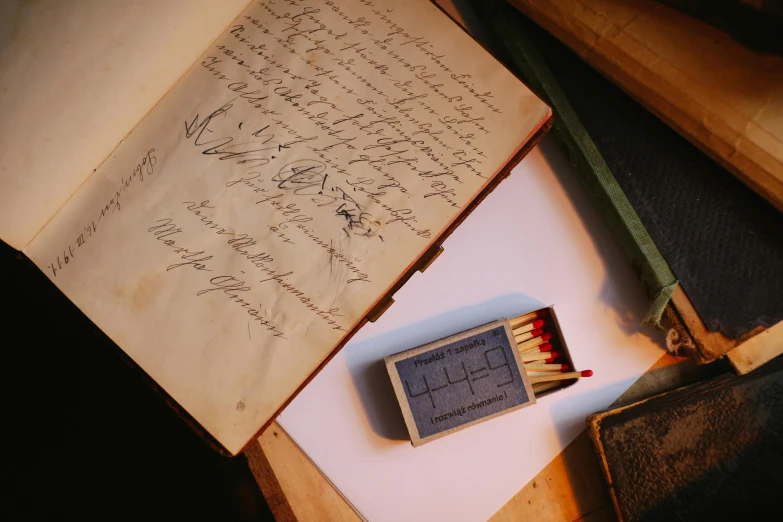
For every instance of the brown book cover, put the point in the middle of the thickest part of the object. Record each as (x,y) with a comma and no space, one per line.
(708,451)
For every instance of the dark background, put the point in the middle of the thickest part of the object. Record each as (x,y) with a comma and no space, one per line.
(85,436)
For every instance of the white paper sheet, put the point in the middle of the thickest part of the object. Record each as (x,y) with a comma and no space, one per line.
(535,241)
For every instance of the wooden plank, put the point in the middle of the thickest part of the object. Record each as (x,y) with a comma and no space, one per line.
(267,481)
(723,97)
(748,353)
(569,488)
(708,345)
(304,494)
(757,350)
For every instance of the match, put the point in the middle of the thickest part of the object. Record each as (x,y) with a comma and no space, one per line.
(541,388)
(546,356)
(546,367)
(539,349)
(524,319)
(538,323)
(529,335)
(561,376)
(532,343)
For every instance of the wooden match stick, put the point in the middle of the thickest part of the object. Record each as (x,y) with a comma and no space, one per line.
(523,319)
(538,323)
(539,349)
(532,343)
(541,388)
(527,336)
(561,376)
(545,367)
(540,356)
(545,361)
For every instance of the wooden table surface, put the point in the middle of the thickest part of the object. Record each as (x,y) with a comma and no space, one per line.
(570,488)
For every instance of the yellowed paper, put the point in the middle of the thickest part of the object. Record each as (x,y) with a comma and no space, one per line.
(277,191)
(75,77)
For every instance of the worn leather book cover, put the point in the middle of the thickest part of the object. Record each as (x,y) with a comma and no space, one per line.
(695,234)
(708,451)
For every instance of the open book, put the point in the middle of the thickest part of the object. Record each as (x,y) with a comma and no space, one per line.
(230,218)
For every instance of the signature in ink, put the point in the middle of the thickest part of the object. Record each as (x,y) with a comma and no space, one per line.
(308,177)
(305,178)
(253,153)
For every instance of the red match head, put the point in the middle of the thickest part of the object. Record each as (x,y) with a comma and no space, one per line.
(536,332)
(564,368)
(587,373)
(538,323)
(547,336)
(545,347)
(554,355)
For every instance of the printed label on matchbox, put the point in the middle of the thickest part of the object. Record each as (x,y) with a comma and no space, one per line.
(461,382)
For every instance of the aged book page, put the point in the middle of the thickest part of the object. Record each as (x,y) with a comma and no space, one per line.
(75,78)
(257,213)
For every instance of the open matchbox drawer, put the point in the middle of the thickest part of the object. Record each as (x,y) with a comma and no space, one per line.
(467,378)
